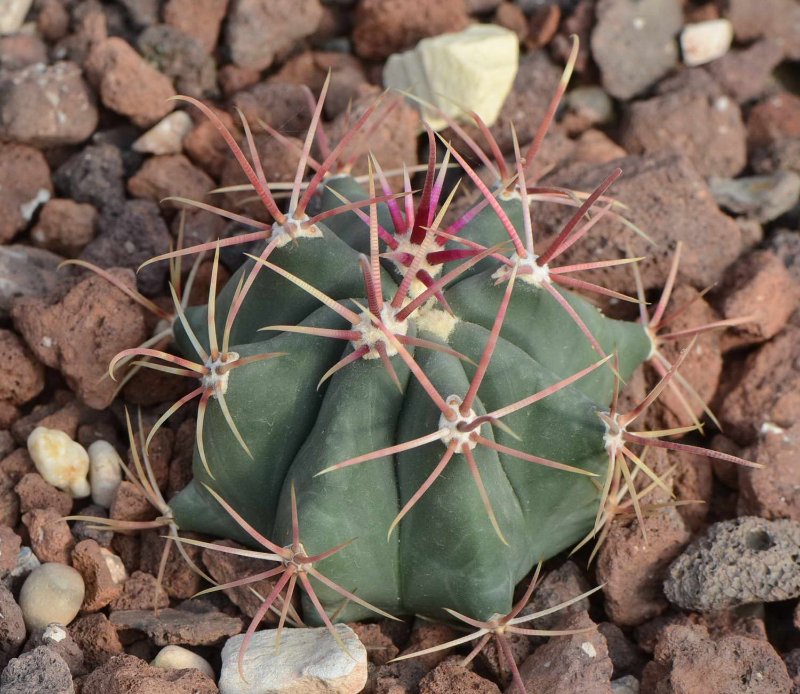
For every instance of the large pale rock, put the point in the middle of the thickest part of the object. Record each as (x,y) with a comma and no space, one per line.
(309,662)
(471,70)
(12,15)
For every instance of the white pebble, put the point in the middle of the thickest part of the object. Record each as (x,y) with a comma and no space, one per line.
(166,136)
(55,632)
(115,566)
(105,472)
(179,658)
(60,461)
(705,41)
(52,593)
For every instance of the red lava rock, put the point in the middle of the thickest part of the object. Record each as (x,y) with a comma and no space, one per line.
(633,570)
(181,58)
(233,78)
(95,319)
(21,376)
(6,443)
(383,27)
(773,123)
(559,585)
(64,227)
(18,51)
(9,502)
(758,285)
(63,413)
(178,627)
(180,580)
(16,465)
(128,548)
(97,638)
(139,592)
(12,626)
(200,19)
(399,678)
(127,674)
(701,368)
(393,142)
(24,185)
(143,13)
(693,116)
(774,491)
(40,670)
(449,676)
(687,660)
(259,30)
(626,657)
(283,106)
(595,147)
(280,164)
(745,73)
(775,19)
(159,452)
(131,504)
(94,176)
(169,175)
(425,635)
(127,84)
(46,105)
(768,389)
(512,17)
(180,467)
(692,479)
(792,660)
(34,493)
(666,198)
(380,648)
(569,664)
(10,543)
(149,387)
(542,25)
(224,568)
(52,22)
(580,23)
(205,146)
(8,414)
(633,43)
(101,588)
(51,539)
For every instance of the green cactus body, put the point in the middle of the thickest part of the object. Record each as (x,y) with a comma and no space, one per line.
(445,552)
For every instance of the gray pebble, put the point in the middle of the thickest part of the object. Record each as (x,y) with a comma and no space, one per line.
(736,562)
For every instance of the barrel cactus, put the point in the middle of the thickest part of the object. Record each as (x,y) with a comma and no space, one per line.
(407,414)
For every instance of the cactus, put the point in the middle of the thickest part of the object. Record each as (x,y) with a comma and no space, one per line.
(428,405)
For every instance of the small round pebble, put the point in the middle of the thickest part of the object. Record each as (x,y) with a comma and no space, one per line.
(179,658)
(52,593)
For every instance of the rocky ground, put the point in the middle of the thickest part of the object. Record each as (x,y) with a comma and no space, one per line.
(89,145)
